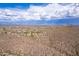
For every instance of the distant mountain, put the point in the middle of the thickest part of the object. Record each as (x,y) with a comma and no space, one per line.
(65,21)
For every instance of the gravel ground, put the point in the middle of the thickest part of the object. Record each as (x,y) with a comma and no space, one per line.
(39,41)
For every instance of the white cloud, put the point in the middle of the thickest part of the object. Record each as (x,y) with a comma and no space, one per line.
(49,11)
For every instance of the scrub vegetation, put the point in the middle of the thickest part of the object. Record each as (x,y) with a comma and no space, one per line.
(39,40)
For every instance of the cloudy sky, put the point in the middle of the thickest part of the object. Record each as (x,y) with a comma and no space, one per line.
(39,13)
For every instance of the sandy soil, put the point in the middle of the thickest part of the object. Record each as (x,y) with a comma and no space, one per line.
(39,40)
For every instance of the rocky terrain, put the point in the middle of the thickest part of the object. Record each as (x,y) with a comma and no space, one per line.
(39,40)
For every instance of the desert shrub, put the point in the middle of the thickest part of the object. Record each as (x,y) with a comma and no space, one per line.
(31,33)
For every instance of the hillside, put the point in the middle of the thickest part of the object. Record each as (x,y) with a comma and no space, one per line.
(39,40)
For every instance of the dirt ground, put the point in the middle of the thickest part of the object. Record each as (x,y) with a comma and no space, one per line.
(39,40)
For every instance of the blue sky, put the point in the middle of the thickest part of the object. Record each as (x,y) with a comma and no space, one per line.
(20,5)
(39,13)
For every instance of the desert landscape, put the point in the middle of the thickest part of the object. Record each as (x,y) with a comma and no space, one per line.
(39,40)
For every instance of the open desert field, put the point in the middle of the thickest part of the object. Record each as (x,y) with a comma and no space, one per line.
(39,40)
